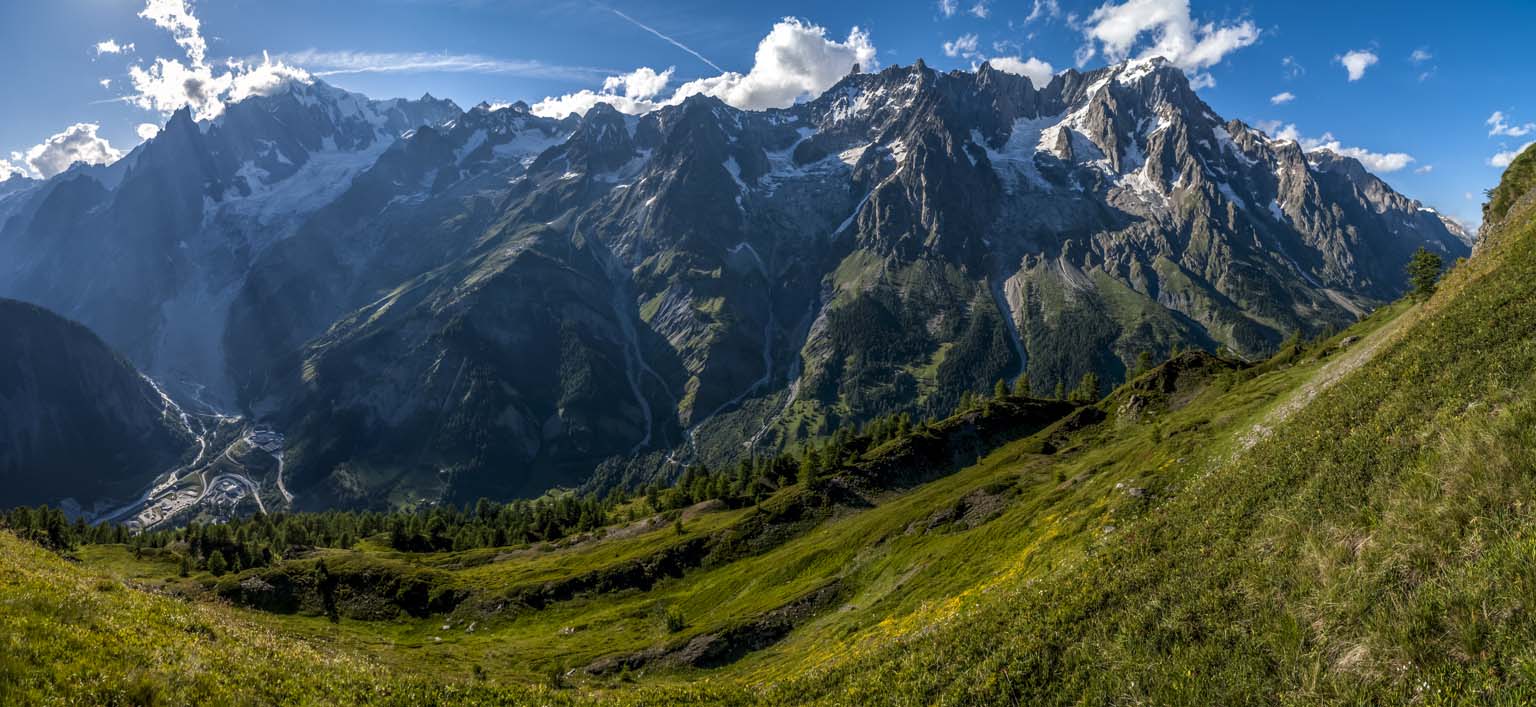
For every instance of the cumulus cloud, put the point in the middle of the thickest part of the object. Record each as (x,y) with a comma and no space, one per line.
(1357,61)
(1503,159)
(1420,56)
(1281,99)
(980,10)
(632,93)
(1380,162)
(176,17)
(1116,30)
(1038,72)
(964,45)
(168,85)
(948,8)
(643,83)
(105,83)
(78,143)
(146,131)
(1498,124)
(111,46)
(8,170)
(795,60)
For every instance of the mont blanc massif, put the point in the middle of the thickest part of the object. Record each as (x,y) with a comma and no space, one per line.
(935,387)
(428,304)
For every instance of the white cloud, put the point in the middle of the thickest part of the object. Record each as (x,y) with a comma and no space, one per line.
(1043,9)
(1426,169)
(1420,56)
(633,93)
(1175,35)
(167,85)
(1380,162)
(948,8)
(146,131)
(105,83)
(1281,99)
(643,83)
(795,60)
(78,143)
(980,9)
(175,17)
(111,46)
(964,45)
(1357,61)
(1038,72)
(1498,124)
(1503,159)
(8,170)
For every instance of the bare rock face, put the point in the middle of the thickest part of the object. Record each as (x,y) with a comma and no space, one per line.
(447,304)
(76,420)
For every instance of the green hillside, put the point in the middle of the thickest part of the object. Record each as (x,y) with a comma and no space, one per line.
(1349,522)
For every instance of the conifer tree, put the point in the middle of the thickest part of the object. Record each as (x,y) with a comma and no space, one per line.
(1424,272)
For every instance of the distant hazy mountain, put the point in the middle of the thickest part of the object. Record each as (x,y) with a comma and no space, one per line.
(434,303)
(76,420)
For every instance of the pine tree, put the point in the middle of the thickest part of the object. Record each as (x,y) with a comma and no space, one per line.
(1000,390)
(217,564)
(1143,362)
(1424,272)
(1087,390)
(1021,386)
(185,568)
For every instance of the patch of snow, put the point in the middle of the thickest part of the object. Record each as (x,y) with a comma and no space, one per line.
(851,156)
(1015,161)
(734,169)
(1224,138)
(1278,213)
(473,143)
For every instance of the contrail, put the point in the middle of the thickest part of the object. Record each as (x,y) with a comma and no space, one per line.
(674,42)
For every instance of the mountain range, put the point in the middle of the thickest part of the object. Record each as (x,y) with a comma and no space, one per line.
(433,303)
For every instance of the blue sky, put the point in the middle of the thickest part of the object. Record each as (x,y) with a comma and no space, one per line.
(1427,76)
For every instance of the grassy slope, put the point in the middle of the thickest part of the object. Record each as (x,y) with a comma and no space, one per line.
(1301,532)
(1377,545)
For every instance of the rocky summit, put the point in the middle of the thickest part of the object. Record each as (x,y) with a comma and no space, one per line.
(441,304)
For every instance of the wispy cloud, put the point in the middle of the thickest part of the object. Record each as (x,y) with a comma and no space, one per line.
(669,39)
(1498,124)
(337,63)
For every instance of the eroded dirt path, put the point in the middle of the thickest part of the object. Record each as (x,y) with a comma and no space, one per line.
(1356,355)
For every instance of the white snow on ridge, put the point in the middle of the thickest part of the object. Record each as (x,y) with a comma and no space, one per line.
(1015,161)
(734,169)
(468,148)
(527,145)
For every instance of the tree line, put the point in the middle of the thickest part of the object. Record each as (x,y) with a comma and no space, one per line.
(263,540)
